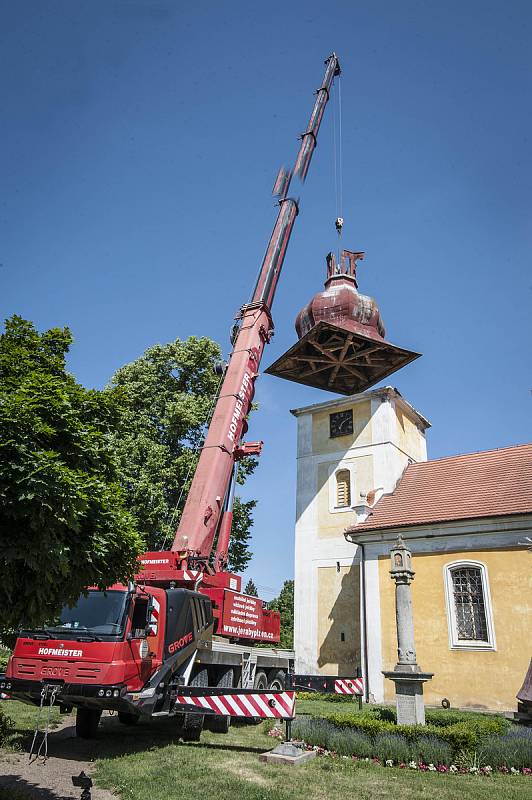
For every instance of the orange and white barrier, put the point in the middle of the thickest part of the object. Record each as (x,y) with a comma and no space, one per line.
(276,705)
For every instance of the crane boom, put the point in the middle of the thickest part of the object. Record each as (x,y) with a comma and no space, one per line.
(206,503)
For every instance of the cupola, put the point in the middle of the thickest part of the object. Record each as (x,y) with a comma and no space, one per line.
(341,344)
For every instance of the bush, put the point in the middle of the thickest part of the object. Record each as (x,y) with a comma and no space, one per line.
(512,750)
(391,747)
(312,731)
(351,743)
(363,722)
(4,658)
(465,735)
(432,750)
(6,726)
(467,743)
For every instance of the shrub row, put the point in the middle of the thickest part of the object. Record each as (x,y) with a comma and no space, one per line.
(443,718)
(459,736)
(514,749)
(384,746)
(438,717)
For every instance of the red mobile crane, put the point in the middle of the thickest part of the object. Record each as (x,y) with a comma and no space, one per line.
(151,648)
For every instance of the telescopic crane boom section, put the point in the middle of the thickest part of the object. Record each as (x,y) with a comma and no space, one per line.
(208,507)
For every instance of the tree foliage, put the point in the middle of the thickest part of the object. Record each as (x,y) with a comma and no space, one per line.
(284,604)
(64,524)
(169,394)
(251,589)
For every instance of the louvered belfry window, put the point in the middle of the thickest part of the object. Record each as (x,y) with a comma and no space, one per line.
(469,604)
(343,488)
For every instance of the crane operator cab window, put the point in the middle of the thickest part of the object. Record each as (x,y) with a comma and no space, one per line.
(139,620)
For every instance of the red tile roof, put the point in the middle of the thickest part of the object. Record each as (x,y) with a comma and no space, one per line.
(486,484)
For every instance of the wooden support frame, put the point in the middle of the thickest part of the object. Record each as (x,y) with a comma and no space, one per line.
(340,360)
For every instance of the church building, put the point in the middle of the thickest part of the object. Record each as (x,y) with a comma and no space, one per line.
(362,479)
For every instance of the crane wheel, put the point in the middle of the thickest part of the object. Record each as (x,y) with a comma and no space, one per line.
(192,727)
(261,680)
(223,678)
(192,724)
(87,721)
(277,680)
(127,719)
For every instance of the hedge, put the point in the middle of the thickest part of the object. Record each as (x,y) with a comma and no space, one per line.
(401,743)
(464,735)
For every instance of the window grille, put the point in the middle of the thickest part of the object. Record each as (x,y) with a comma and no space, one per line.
(343,488)
(469,604)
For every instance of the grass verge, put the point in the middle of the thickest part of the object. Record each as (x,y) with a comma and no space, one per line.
(228,766)
(146,761)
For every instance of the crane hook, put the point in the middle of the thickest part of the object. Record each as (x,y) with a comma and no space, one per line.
(339,225)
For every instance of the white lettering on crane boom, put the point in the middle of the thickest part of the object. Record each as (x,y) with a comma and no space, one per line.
(239,405)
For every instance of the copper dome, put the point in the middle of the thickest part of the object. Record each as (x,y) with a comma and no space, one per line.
(341,344)
(341,303)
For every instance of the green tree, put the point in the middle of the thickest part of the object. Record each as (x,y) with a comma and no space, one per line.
(64,524)
(170,391)
(251,589)
(284,604)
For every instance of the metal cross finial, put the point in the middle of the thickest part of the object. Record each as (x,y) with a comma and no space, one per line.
(350,268)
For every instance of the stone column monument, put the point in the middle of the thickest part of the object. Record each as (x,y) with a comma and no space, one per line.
(407,674)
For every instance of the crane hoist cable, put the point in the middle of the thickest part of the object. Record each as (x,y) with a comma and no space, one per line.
(338,162)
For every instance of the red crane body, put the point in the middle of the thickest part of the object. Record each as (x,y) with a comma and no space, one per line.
(208,508)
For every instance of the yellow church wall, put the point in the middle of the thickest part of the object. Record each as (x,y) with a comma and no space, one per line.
(338,620)
(334,523)
(410,439)
(321,441)
(486,679)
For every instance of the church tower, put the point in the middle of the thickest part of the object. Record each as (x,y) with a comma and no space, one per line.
(350,451)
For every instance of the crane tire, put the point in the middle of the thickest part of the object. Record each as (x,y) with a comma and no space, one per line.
(261,680)
(87,721)
(277,680)
(224,677)
(127,719)
(192,724)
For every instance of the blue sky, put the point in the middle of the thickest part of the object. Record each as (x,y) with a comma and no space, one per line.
(140,141)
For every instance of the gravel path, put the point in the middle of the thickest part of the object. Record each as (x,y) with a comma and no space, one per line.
(52,780)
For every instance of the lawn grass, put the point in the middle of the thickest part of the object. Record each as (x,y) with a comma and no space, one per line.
(321,707)
(228,766)
(25,720)
(146,761)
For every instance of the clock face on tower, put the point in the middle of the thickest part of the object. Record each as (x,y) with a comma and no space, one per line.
(341,423)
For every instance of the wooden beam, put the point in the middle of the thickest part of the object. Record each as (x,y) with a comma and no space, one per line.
(345,348)
(313,372)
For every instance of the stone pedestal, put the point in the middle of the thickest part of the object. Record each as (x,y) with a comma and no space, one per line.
(409,696)
(407,674)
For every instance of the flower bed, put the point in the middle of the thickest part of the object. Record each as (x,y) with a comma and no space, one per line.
(463,747)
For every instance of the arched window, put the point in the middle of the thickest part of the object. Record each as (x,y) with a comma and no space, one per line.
(469,606)
(343,488)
